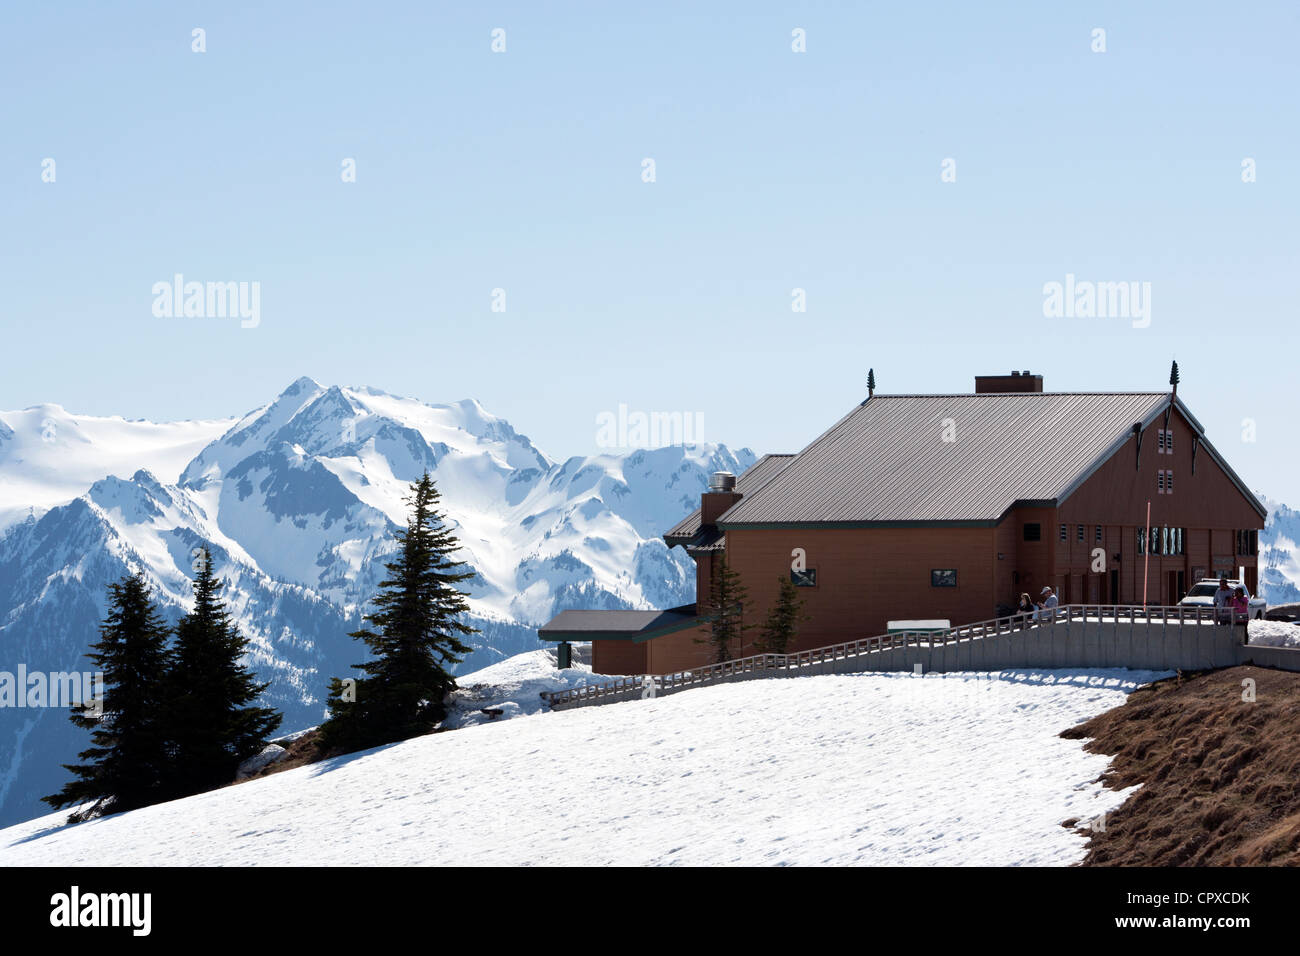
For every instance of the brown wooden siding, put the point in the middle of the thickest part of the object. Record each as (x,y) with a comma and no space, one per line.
(618,657)
(868,576)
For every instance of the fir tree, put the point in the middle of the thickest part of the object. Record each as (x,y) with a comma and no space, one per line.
(413,634)
(726,612)
(783,622)
(215,725)
(127,761)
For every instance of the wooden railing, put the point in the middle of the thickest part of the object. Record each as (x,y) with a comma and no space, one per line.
(713,673)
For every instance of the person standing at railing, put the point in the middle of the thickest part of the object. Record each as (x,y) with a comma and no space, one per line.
(1047,607)
(1223,602)
(1240,607)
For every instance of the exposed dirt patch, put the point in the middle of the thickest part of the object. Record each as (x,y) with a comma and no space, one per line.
(303,750)
(1220,776)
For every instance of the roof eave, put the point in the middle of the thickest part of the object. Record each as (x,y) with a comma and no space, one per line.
(635,637)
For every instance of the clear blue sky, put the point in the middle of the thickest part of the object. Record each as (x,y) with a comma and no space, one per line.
(775,170)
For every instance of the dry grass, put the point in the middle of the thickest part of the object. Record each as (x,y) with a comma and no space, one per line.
(1220,776)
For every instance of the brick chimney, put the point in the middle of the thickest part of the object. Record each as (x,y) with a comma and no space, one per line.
(722,494)
(1015,382)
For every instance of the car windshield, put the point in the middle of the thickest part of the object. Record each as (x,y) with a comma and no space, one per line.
(1203,590)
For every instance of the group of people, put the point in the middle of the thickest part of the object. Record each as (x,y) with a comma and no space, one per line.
(1231,605)
(1044,607)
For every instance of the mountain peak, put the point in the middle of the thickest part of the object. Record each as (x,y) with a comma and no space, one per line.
(304,384)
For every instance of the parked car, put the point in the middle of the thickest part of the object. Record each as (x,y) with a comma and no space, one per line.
(1202,595)
(1284,612)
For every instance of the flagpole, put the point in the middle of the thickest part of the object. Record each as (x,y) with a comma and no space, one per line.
(1146,554)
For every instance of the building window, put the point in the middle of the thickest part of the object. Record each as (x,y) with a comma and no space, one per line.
(1155,541)
(1098,537)
(1160,482)
(1033,531)
(1169,481)
(1164,540)
(804,579)
(1079,533)
(1065,535)
(1142,540)
(943,578)
(1166,439)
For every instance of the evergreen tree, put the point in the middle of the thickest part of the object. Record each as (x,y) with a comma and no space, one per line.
(127,762)
(215,725)
(726,612)
(413,634)
(783,622)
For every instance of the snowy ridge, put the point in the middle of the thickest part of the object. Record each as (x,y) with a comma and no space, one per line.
(49,456)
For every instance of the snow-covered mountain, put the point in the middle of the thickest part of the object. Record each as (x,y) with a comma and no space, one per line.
(297,502)
(1279,554)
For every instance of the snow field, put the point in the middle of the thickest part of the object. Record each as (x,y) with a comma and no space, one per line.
(955,769)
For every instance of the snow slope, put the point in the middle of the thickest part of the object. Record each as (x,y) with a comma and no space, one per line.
(852,769)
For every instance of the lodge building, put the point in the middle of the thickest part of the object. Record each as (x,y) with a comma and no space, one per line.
(949,507)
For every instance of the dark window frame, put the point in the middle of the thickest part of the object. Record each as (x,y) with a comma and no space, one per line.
(806,578)
(943,582)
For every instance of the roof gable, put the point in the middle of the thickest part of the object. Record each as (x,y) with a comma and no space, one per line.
(887,460)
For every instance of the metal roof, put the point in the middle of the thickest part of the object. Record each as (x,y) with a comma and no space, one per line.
(617,625)
(753,478)
(887,460)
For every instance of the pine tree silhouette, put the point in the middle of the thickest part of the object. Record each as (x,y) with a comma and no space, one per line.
(725,611)
(126,767)
(215,725)
(783,622)
(413,634)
